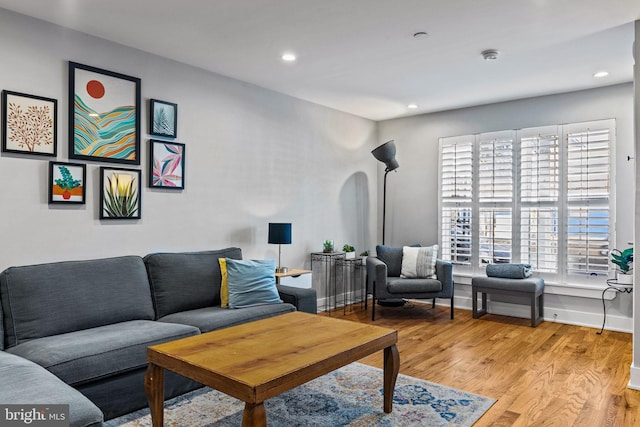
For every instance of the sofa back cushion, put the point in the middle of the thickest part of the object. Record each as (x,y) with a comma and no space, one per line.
(186,280)
(56,298)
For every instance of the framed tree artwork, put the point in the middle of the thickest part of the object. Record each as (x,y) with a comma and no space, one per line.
(67,183)
(163,118)
(166,165)
(120,192)
(29,124)
(104,115)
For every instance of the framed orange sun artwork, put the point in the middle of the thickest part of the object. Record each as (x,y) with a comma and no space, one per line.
(104,115)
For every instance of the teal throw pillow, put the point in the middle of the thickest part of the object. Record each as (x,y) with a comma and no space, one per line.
(251,283)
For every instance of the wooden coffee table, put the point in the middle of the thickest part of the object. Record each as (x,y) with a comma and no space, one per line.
(258,360)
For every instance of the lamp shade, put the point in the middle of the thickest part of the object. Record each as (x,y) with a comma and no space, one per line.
(280,233)
(386,153)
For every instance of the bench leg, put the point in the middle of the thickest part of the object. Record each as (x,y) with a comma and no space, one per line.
(483,307)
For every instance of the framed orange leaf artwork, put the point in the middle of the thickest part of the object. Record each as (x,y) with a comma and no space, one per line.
(29,124)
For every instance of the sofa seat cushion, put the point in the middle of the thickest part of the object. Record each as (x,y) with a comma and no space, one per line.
(90,354)
(399,285)
(24,382)
(212,318)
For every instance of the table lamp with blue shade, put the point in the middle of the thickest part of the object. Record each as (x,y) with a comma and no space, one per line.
(280,234)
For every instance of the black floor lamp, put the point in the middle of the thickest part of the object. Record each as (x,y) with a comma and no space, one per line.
(386,153)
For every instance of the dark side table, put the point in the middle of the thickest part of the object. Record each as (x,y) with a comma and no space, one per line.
(612,285)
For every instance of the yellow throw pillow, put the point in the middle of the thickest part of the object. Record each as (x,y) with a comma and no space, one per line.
(224,285)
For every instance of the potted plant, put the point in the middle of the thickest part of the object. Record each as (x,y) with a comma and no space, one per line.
(327,246)
(623,260)
(350,251)
(364,255)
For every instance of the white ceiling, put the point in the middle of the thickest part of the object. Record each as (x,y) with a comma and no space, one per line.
(360,56)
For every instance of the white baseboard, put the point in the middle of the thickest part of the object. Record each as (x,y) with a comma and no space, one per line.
(569,317)
(634,379)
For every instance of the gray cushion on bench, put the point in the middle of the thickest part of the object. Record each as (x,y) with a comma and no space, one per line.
(211,318)
(531,284)
(85,294)
(24,382)
(186,280)
(88,355)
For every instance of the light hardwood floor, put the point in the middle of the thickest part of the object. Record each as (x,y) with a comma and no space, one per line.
(553,375)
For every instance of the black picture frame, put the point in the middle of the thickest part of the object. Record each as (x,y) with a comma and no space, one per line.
(163,118)
(29,121)
(104,115)
(67,183)
(166,164)
(120,193)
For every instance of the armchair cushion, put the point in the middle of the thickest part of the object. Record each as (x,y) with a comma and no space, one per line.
(397,285)
(419,262)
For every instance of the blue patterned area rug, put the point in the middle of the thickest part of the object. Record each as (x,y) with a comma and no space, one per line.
(350,396)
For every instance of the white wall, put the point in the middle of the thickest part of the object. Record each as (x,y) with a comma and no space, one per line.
(412,193)
(253,156)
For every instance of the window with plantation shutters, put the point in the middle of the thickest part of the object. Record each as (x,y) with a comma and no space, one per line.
(539,196)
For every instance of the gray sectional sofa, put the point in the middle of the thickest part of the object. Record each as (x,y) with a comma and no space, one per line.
(88,324)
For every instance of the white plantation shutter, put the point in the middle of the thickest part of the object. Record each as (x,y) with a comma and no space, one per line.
(456,235)
(540,168)
(457,170)
(495,236)
(588,188)
(496,169)
(539,233)
(456,186)
(539,194)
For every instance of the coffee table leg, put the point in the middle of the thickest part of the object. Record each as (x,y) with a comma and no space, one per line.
(154,388)
(391,368)
(254,415)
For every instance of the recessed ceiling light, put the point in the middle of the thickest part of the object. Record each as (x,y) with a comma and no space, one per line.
(601,74)
(412,106)
(288,57)
(490,54)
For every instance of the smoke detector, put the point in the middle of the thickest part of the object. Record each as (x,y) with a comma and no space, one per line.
(490,54)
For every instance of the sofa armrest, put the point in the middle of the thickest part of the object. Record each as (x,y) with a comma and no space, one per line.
(444,273)
(376,276)
(304,299)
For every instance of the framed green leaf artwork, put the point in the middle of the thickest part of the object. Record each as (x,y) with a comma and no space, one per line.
(67,183)
(104,115)
(163,118)
(29,124)
(120,192)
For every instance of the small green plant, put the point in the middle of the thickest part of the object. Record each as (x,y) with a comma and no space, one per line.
(623,259)
(67,182)
(364,253)
(348,248)
(327,246)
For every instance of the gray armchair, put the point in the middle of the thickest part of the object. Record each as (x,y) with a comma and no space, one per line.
(384,281)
